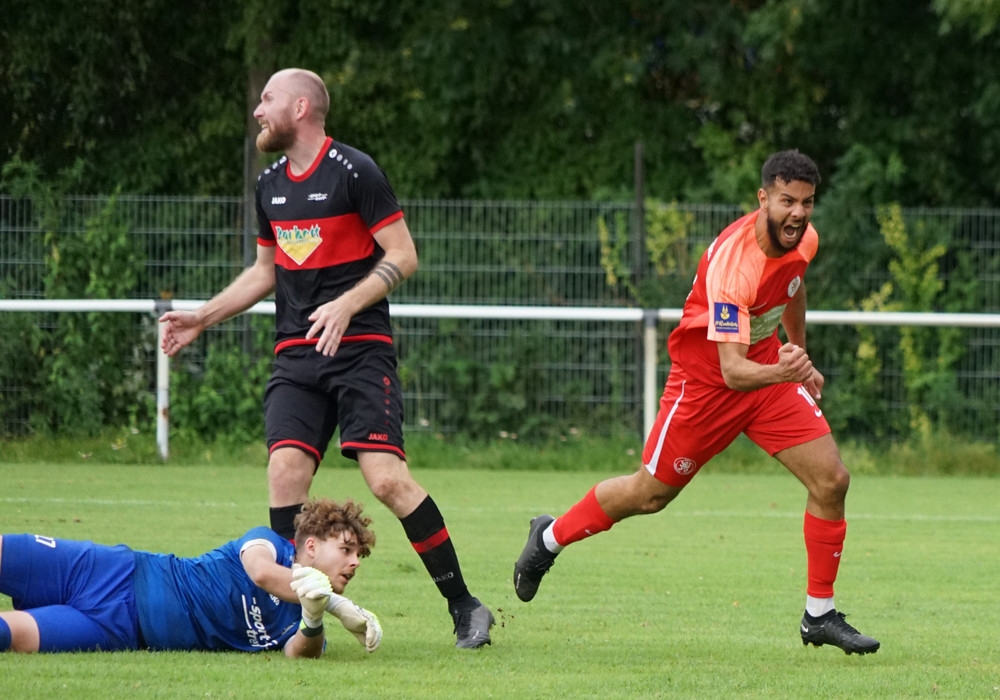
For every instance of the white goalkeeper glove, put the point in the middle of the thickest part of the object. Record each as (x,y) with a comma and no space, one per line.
(356,620)
(313,589)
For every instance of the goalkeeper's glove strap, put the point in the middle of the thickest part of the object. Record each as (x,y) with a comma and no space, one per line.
(308,631)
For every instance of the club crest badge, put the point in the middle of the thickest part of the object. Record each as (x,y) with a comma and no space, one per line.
(684,465)
(794,285)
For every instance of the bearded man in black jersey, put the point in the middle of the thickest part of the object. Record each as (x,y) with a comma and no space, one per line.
(332,243)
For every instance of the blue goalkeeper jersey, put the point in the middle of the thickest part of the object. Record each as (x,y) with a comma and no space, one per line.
(209,602)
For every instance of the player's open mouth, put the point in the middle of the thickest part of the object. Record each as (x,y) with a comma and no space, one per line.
(791,232)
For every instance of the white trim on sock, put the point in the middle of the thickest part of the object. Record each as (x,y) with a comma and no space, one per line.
(817,607)
(549,540)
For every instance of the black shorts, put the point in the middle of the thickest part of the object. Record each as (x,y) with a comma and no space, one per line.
(356,390)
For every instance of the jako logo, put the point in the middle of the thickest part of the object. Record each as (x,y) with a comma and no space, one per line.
(378,437)
(278,200)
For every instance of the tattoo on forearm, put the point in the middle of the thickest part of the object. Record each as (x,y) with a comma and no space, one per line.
(388,273)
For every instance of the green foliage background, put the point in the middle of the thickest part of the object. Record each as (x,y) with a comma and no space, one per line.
(895,100)
(524,100)
(85,373)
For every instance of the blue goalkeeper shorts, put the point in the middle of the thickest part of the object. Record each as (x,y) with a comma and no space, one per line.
(81,594)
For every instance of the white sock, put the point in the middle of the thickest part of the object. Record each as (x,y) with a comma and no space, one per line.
(549,540)
(817,607)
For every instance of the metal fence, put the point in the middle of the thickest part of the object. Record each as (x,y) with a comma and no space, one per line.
(506,375)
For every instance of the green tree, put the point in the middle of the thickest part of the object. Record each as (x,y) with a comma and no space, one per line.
(982,16)
(515,99)
(141,93)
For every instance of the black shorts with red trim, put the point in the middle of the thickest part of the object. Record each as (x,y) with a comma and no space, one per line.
(310,396)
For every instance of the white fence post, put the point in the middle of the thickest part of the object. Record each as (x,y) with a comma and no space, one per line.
(162,385)
(650,392)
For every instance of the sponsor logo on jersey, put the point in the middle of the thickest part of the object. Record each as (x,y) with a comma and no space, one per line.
(278,200)
(298,243)
(378,437)
(684,465)
(727,318)
(763,326)
(317,197)
(256,630)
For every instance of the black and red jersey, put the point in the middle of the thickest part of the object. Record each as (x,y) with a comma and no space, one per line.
(322,223)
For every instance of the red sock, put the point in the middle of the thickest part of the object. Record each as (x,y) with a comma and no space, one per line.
(824,543)
(584,519)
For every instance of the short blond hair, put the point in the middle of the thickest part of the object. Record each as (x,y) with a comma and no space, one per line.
(304,83)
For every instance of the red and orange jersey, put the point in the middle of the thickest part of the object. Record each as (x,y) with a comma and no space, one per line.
(738,296)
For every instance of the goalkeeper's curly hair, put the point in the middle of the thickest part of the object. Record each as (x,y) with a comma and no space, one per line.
(324,519)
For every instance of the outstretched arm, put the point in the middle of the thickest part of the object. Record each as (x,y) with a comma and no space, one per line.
(260,565)
(252,285)
(264,571)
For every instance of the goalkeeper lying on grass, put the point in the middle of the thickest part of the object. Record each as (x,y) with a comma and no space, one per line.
(256,593)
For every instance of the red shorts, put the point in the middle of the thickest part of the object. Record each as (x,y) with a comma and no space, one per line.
(697,421)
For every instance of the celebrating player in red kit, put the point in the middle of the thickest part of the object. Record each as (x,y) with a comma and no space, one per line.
(730,374)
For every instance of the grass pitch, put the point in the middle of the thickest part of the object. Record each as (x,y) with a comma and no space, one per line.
(700,601)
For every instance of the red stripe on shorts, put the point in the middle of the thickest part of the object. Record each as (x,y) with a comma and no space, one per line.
(309,449)
(294,342)
(372,447)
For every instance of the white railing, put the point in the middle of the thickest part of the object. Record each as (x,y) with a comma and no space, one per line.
(648,317)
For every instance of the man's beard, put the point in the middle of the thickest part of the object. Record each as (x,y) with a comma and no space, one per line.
(773,235)
(276,137)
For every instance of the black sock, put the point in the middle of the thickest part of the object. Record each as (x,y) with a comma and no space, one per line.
(426,531)
(283,520)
